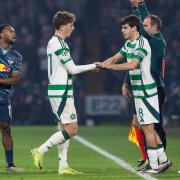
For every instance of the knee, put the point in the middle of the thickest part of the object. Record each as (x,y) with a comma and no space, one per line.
(6,131)
(73,132)
(147,129)
(71,129)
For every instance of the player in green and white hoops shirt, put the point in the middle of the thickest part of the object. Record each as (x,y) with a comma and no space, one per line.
(60,91)
(143,85)
(137,51)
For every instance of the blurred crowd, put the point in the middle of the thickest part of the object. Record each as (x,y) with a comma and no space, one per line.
(97,35)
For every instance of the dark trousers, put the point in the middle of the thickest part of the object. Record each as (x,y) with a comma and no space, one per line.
(159,126)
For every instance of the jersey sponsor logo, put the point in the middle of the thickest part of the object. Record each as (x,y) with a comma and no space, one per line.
(4,68)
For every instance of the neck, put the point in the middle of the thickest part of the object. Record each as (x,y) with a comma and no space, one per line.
(155,32)
(4,45)
(61,35)
(134,36)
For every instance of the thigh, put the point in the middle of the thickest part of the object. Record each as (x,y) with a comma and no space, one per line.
(147,110)
(5,113)
(69,114)
(133,106)
(5,128)
(64,110)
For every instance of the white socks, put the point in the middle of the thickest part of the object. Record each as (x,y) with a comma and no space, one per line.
(62,154)
(56,138)
(153,158)
(161,154)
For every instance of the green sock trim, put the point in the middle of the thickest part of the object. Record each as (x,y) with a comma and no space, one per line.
(152,148)
(160,146)
(65,134)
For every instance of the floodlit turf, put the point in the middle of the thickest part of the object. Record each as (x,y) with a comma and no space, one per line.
(95,167)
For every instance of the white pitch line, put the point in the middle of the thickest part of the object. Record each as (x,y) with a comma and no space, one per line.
(116,159)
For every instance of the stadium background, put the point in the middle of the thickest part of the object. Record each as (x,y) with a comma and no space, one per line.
(96,36)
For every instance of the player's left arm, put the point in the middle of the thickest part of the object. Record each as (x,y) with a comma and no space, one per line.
(114,59)
(15,77)
(123,67)
(135,10)
(139,55)
(16,71)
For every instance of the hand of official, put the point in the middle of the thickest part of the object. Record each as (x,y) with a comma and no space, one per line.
(135,3)
(125,92)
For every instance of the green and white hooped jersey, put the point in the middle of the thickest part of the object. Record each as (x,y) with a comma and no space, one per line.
(143,85)
(60,81)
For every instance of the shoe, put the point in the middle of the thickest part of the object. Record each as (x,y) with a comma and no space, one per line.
(178,172)
(149,170)
(15,169)
(69,170)
(142,164)
(165,166)
(38,158)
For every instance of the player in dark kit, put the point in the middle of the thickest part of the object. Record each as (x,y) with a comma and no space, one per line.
(10,73)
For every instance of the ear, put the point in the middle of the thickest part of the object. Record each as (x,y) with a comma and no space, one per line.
(61,27)
(155,28)
(134,28)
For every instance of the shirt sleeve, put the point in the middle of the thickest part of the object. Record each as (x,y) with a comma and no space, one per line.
(140,54)
(77,69)
(123,51)
(135,11)
(143,11)
(62,50)
(63,54)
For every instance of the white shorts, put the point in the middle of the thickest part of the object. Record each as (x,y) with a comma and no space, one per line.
(147,110)
(64,110)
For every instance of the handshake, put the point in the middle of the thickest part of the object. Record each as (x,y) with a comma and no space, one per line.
(102,65)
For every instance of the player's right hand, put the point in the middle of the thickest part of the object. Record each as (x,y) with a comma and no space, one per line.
(98,66)
(125,92)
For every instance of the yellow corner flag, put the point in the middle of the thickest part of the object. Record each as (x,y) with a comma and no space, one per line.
(132,136)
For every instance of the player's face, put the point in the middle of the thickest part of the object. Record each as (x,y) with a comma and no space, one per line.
(68,29)
(147,26)
(127,31)
(8,35)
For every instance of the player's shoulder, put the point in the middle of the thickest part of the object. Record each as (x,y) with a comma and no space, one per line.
(56,41)
(158,38)
(53,40)
(126,44)
(143,41)
(15,53)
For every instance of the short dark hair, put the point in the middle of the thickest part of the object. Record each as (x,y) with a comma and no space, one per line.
(63,18)
(132,21)
(155,20)
(3,26)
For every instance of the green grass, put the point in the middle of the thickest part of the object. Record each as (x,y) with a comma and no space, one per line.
(95,166)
